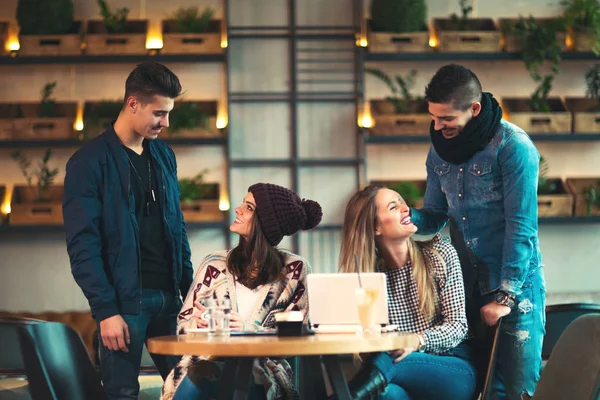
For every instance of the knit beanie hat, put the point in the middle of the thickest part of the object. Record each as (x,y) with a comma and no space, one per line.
(281,212)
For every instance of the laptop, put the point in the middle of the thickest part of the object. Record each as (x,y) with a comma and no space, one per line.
(332,302)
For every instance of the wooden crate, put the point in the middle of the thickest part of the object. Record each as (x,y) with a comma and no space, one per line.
(68,44)
(208,107)
(584,41)
(408,42)
(204,210)
(3,36)
(175,42)
(30,126)
(510,41)
(519,112)
(586,114)
(131,41)
(24,210)
(8,113)
(2,200)
(577,187)
(397,185)
(482,36)
(556,205)
(388,122)
(97,116)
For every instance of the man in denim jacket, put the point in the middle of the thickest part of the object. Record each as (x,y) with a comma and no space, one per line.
(482,175)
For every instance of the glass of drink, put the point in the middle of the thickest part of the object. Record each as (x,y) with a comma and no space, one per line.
(366,299)
(218,317)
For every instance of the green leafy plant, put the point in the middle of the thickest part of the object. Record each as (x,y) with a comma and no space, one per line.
(539,45)
(45,17)
(464,21)
(545,186)
(410,192)
(47,107)
(592,82)
(193,189)
(584,16)
(400,87)
(189,20)
(398,16)
(44,175)
(187,115)
(592,194)
(114,22)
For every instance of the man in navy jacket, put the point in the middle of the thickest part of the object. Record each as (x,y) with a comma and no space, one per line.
(125,232)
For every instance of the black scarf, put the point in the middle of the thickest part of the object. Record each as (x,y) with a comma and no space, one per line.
(475,135)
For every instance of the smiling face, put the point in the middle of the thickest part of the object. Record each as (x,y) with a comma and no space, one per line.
(451,121)
(393,219)
(244,215)
(150,117)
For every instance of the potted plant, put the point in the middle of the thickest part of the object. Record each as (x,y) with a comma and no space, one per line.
(193,119)
(400,112)
(115,34)
(583,19)
(190,31)
(534,38)
(39,202)
(586,192)
(465,34)
(47,28)
(199,200)
(47,119)
(412,191)
(398,26)
(554,199)
(97,116)
(586,110)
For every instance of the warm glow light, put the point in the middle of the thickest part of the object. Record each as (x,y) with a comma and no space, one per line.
(78,125)
(569,42)
(363,42)
(224,41)
(154,43)
(154,40)
(13,45)
(433,41)
(6,202)
(224,205)
(221,122)
(365,119)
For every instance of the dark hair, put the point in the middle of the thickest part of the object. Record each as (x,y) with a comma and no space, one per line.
(455,84)
(255,262)
(149,79)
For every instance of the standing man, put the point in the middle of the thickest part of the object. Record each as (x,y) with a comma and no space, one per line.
(125,232)
(482,175)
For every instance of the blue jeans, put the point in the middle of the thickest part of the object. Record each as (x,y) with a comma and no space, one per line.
(209,389)
(120,370)
(427,376)
(520,342)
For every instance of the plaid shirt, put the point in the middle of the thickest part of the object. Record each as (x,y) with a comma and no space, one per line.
(448,327)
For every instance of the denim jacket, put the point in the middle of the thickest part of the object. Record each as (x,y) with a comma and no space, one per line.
(491,204)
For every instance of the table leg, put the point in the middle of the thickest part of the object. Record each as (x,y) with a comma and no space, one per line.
(312,383)
(244,378)
(227,381)
(336,377)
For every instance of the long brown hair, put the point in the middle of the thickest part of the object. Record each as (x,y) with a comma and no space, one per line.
(254,262)
(358,237)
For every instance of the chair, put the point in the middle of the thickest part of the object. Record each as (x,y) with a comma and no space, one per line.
(11,362)
(57,363)
(573,370)
(558,317)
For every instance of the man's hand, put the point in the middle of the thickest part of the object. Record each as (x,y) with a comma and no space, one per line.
(492,312)
(115,333)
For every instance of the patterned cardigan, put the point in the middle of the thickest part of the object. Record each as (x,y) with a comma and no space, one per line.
(282,295)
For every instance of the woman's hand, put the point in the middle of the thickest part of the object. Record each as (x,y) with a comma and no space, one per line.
(199,309)
(412,344)
(235,321)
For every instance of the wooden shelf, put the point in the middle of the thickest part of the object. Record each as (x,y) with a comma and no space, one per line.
(86,59)
(6,229)
(173,141)
(541,137)
(594,219)
(435,56)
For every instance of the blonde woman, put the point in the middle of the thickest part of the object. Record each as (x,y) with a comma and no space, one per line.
(425,298)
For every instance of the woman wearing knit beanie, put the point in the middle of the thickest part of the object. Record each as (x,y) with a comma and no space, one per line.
(260,280)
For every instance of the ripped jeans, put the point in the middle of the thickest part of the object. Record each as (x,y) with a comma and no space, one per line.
(519,356)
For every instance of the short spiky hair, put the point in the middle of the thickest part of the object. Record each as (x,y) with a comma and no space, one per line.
(455,84)
(149,79)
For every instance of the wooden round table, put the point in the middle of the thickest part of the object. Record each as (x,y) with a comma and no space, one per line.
(240,352)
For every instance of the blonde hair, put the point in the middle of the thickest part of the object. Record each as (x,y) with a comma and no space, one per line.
(358,238)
